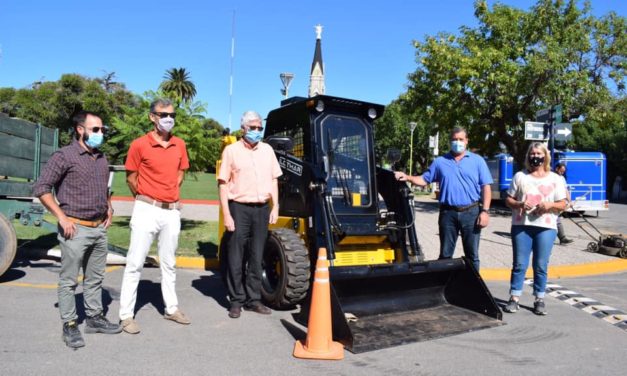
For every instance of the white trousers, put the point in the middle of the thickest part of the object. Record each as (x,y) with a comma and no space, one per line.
(147,222)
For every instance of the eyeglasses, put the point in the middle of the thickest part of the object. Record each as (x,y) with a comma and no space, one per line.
(102,129)
(254,128)
(163,115)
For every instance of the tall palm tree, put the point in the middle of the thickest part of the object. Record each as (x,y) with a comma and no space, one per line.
(177,82)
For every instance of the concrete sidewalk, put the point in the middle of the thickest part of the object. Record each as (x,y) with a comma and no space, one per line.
(495,249)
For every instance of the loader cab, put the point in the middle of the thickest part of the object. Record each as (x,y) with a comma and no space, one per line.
(331,142)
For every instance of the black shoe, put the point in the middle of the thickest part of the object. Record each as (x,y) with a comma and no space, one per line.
(259,308)
(538,307)
(235,312)
(100,324)
(72,335)
(565,241)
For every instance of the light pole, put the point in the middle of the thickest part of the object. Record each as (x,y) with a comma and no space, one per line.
(412,126)
(286,79)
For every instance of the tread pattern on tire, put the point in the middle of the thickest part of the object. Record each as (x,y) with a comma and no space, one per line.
(297,267)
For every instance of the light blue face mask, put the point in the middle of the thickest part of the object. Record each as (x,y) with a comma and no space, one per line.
(457,146)
(253,136)
(94,140)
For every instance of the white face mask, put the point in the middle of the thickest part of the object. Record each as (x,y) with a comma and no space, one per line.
(166,124)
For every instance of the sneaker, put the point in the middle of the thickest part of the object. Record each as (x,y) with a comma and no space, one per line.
(512,306)
(565,241)
(178,317)
(100,324)
(129,326)
(539,308)
(72,335)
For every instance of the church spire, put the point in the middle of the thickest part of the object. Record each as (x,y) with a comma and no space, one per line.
(316,79)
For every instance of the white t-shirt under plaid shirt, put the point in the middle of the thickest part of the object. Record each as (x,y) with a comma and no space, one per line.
(525,187)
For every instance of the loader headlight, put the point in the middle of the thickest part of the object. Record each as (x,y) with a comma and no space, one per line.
(320,106)
(372,113)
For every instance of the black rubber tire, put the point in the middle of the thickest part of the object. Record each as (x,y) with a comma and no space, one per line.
(623,253)
(285,269)
(8,244)
(593,247)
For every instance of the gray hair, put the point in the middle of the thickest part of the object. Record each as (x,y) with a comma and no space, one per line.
(249,116)
(160,102)
(456,130)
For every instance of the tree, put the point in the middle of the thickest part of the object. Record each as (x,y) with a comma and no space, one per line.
(492,78)
(392,131)
(178,85)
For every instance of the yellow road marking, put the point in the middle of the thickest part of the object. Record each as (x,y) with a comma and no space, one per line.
(562,271)
(49,285)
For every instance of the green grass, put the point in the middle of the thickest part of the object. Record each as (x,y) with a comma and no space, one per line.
(197,238)
(198,186)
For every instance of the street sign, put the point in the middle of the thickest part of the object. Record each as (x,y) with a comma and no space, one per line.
(557,114)
(543,115)
(535,130)
(563,132)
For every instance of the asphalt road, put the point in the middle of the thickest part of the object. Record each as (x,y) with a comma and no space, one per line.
(568,341)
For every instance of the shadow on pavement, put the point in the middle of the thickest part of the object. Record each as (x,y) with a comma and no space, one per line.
(149,292)
(80,304)
(504,234)
(296,332)
(213,287)
(12,275)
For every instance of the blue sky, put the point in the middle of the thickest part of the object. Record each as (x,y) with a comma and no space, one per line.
(366,45)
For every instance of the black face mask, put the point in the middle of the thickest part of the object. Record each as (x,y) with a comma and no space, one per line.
(536,161)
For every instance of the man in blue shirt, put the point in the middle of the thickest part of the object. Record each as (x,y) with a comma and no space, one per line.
(465,196)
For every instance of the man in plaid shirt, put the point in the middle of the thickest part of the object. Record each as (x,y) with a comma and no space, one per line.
(79,175)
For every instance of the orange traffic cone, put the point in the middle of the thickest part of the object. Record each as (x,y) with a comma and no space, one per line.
(319,343)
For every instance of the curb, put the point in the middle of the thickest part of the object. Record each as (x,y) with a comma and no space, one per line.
(488,274)
(186,201)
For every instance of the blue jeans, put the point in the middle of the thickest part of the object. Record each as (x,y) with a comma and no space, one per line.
(451,223)
(525,241)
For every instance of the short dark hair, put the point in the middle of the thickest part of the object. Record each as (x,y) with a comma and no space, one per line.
(559,165)
(456,130)
(79,119)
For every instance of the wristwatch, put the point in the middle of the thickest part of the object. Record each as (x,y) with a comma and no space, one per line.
(485,210)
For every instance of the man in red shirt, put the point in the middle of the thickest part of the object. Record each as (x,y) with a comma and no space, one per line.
(155,167)
(248,185)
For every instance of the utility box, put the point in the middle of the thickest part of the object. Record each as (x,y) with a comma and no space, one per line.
(586,176)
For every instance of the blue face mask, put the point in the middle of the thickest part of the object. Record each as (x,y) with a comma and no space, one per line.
(94,140)
(253,136)
(458,147)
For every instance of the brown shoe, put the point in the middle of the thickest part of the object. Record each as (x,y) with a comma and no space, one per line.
(130,326)
(259,308)
(235,312)
(178,317)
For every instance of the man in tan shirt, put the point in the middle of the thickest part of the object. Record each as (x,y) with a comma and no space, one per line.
(249,201)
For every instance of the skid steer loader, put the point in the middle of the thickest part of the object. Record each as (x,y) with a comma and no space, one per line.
(333,195)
